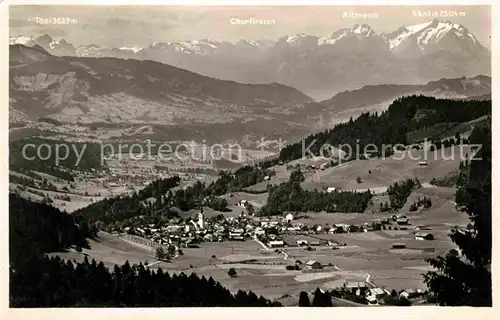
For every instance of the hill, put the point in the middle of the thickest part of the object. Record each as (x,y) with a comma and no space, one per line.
(109,92)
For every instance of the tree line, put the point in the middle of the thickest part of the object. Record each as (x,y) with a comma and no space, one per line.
(400,191)
(53,282)
(243,177)
(289,196)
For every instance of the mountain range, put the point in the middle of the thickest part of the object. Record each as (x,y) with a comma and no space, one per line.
(125,95)
(320,67)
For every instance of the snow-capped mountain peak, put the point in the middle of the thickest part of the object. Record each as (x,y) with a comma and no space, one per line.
(363,29)
(427,34)
(295,38)
(360,31)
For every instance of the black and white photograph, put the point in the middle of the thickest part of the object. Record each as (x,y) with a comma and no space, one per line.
(207,155)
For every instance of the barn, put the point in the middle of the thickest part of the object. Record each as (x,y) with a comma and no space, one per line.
(424,236)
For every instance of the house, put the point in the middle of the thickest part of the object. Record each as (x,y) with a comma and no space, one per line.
(422,163)
(333,243)
(330,189)
(424,236)
(289,217)
(354,285)
(276,244)
(302,242)
(311,264)
(398,246)
(259,231)
(402,220)
(315,243)
(243,203)
(266,178)
(409,293)
(375,294)
(236,234)
(341,227)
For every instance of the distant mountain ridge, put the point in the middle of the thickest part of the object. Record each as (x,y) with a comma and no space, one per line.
(107,92)
(148,97)
(319,66)
(376,98)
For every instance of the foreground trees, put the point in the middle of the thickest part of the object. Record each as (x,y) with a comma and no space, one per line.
(466,280)
(37,280)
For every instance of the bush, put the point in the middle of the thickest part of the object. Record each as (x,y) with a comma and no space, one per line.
(232,272)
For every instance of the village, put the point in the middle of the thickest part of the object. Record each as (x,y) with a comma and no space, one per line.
(282,235)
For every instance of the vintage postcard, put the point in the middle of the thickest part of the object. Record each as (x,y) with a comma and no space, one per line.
(234,155)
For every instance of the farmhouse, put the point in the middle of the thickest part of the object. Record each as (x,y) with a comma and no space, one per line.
(339,228)
(315,243)
(330,189)
(408,293)
(398,246)
(354,285)
(311,264)
(236,234)
(374,294)
(424,236)
(259,231)
(243,203)
(276,244)
(302,242)
(402,220)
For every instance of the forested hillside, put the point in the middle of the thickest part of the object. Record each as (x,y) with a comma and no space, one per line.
(404,116)
(289,196)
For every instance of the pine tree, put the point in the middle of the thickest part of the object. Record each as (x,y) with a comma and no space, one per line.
(304,299)
(321,299)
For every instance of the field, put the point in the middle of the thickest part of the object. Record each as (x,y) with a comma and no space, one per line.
(384,172)
(365,256)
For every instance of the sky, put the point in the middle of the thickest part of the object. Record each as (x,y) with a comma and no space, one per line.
(140,26)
